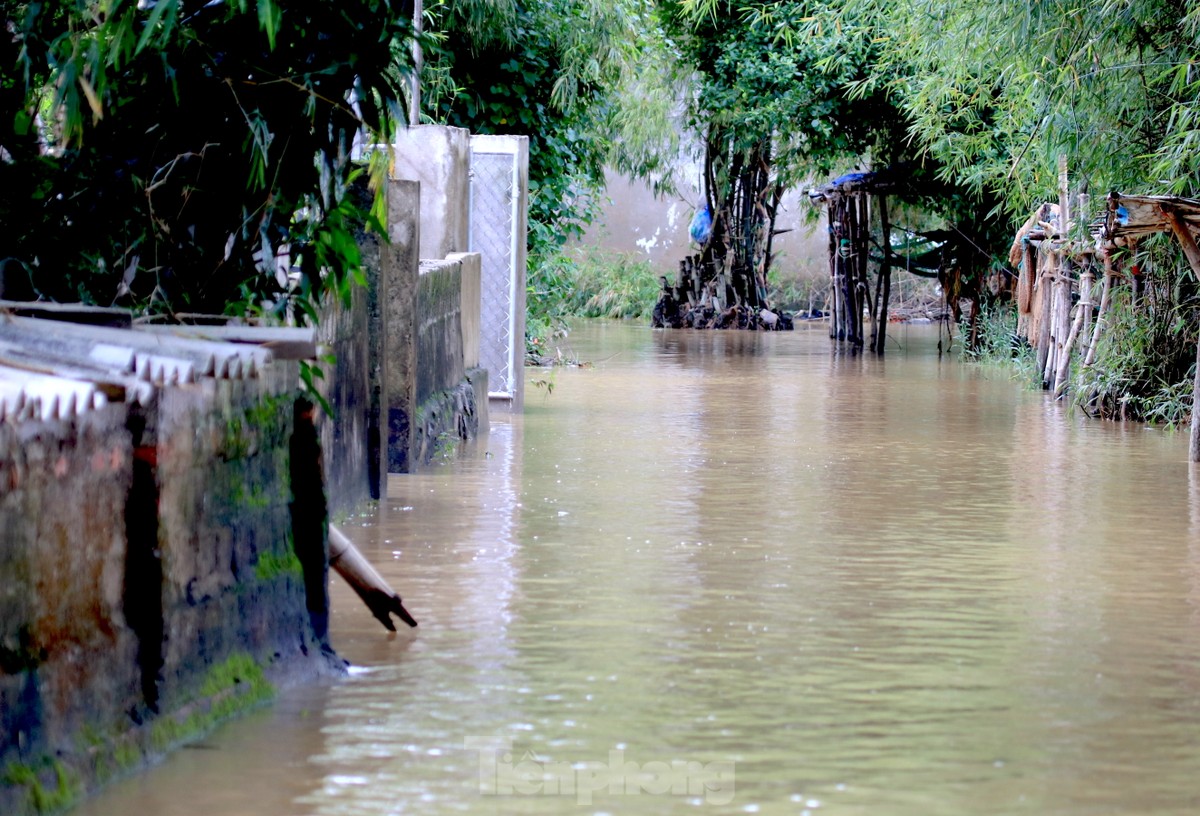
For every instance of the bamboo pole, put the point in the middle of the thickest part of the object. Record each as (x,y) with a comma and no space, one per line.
(1064,197)
(1102,314)
(853,308)
(862,285)
(1046,292)
(1064,362)
(1087,282)
(369,585)
(1062,323)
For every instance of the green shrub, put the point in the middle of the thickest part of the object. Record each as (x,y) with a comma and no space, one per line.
(582,282)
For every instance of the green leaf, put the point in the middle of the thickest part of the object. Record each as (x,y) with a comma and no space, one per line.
(269,18)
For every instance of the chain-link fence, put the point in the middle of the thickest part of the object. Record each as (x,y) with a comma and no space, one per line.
(492,236)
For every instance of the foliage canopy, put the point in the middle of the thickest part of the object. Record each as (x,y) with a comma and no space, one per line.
(182,154)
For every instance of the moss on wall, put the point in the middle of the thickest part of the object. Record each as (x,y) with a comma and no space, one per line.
(47,785)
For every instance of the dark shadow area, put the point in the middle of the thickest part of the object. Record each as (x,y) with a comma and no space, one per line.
(143,601)
(309,516)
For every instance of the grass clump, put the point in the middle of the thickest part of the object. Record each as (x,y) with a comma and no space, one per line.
(44,798)
(584,282)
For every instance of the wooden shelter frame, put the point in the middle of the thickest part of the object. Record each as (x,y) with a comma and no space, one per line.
(1057,257)
(1128,217)
(848,201)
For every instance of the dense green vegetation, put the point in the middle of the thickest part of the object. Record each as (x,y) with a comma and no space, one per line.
(186,155)
(585,282)
(590,84)
(976,103)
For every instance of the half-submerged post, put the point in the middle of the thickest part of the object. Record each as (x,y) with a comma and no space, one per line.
(884,284)
(367,583)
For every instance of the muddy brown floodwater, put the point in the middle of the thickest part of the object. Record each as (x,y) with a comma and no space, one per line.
(727,573)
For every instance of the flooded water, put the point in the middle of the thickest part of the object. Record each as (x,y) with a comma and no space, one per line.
(723,572)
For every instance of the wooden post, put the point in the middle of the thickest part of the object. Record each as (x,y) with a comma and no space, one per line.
(1062,323)
(863,249)
(1192,252)
(1086,283)
(1194,447)
(853,309)
(1064,362)
(885,276)
(833,305)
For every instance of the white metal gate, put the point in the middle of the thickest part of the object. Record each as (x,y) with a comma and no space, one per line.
(498,223)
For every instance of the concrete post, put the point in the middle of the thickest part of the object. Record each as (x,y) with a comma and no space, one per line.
(439,158)
(399,305)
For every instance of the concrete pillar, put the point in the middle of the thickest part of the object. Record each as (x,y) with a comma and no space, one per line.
(439,158)
(399,312)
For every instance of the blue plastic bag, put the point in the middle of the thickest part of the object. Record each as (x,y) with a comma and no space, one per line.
(701,226)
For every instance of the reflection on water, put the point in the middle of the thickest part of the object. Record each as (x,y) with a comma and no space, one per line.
(817,581)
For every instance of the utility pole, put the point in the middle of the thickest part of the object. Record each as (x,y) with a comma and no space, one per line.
(414,95)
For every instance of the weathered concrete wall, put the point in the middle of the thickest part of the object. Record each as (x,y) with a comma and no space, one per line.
(66,654)
(355,438)
(471,317)
(439,330)
(152,566)
(438,157)
(347,387)
(447,393)
(410,341)
(471,265)
(231,578)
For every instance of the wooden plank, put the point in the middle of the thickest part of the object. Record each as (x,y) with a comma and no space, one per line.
(1184,236)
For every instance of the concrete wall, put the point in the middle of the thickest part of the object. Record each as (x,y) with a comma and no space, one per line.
(439,330)
(439,158)
(351,436)
(470,310)
(158,555)
(66,653)
(232,579)
(434,393)
(354,439)
(406,353)
(448,407)
(152,567)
